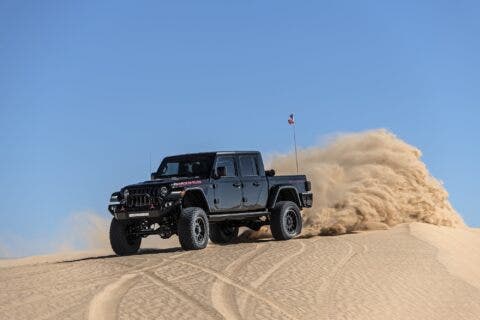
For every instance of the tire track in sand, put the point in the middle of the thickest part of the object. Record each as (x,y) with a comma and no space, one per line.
(260,280)
(244,288)
(93,281)
(182,295)
(337,273)
(264,277)
(223,295)
(104,305)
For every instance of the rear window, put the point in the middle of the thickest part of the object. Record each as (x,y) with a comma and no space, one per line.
(248,166)
(229,164)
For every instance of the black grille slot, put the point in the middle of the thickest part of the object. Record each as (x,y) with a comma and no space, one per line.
(141,197)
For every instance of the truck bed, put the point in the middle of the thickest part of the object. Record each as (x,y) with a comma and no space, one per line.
(298,181)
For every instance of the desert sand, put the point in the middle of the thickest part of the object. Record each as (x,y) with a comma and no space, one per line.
(412,271)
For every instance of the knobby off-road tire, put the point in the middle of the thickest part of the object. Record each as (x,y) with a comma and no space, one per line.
(193,229)
(286,220)
(220,233)
(121,241)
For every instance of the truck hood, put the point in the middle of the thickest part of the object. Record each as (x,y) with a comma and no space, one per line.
(169,182)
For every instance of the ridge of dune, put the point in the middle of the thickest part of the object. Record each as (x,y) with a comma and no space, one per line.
(103,251)
(458,249)
(52,258)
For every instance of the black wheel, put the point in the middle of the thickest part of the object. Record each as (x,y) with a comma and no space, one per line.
(122,242)
(286,220)
(193,228)
(222,233)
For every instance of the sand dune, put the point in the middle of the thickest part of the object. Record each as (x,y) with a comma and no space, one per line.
(412,271)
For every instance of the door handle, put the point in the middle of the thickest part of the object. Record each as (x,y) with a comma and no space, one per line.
(256,184)
(237,184)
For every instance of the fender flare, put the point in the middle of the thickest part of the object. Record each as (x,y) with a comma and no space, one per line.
(276,191)
(199,190)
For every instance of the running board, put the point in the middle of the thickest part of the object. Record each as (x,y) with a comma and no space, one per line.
(237,216)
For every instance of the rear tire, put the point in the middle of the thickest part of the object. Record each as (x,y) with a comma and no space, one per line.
(193,229)
(221,233)
(122,242)
(286,220)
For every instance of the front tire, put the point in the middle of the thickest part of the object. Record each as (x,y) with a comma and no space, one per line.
(220,233)
(286,220)
(193,229)
(122,242)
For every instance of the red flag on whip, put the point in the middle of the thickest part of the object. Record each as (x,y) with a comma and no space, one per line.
(291,121)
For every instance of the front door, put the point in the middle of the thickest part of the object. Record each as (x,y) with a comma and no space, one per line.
(228,187)
(255,189)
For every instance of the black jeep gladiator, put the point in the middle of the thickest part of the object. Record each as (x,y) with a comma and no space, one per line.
(208,195)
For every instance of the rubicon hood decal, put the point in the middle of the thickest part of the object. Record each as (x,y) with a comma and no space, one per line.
(186,183)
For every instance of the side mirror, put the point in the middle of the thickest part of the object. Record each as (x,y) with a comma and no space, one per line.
(220,172)
(270,173)
(153,176)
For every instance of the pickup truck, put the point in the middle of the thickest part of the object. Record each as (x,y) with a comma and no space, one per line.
(208,195)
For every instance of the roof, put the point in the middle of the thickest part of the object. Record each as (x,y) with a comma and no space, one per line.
(212,153)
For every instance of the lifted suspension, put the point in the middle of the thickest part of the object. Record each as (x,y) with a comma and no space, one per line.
(163,228)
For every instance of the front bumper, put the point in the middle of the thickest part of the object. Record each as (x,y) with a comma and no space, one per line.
(123,215)
(122,211)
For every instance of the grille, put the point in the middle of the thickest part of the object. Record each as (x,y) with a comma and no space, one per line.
(140,197)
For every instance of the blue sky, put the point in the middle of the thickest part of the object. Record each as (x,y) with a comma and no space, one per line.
(89,89)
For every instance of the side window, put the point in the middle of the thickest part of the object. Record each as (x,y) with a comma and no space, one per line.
(229,164)
(248,166)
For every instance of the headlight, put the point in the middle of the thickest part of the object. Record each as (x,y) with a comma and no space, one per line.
(116,197)
(163,191)
(126,193)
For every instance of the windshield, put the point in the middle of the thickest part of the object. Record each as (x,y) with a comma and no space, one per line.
(186,166)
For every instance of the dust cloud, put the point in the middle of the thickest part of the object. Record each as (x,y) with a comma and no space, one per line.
(4,252)
(84,231)
(368,180)
(90,231)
